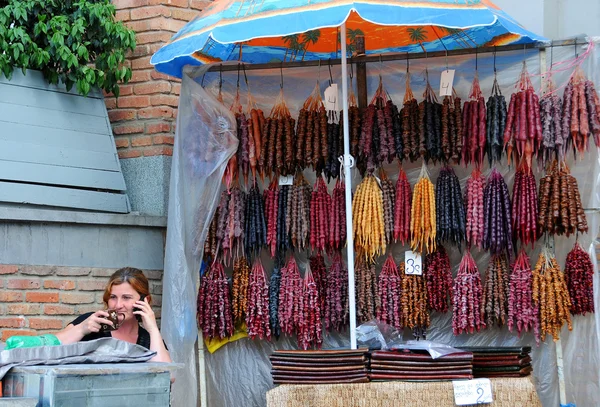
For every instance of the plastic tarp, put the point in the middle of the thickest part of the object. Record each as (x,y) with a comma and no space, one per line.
(239,372)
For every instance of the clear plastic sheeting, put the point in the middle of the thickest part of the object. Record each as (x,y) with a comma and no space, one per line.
(239,372)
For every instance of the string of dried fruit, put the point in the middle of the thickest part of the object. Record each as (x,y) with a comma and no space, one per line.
(310,333)
(320,205)
(402,208)
(522,312)
(551,296)
(413,299)
(523,129)
(256,126)
(553,138)
(319,273)
(423,215)
(368,220)
(496,122)
(283,237)
(280,142)
(497,226)
(211,243)
(474,126)
(314,132)
(474,200)
(337,217)
(560,208)
(494,304)
(525,207)
(430,125)
(214,304)
(223,216)
(452,128)
(300,212)
(336,298)
(234,231)
(366,291)
(449,208)
(579,276)
(438,275)
(255,224)
(271,198)
(388,290)
(274,285)
(301,144)
(389,200)
(290,298)
(581,112)
(335,149)
(466,298)
(257,317)
(243,153)
(410,124)
(239,292)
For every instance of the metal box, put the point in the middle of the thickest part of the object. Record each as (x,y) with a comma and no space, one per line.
(92,385)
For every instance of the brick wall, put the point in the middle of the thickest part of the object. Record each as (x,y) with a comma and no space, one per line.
(44,299)
(143,117)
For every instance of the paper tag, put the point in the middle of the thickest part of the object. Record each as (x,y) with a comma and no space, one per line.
(331,97)
(412,263)
(446,82)
(289,180)
(476,391)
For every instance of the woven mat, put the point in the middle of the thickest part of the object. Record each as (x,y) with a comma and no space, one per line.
(507,393)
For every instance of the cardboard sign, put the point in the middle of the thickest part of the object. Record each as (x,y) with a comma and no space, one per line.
(476,391)
(446,82)
(332,98)
(412,263)
(289,180)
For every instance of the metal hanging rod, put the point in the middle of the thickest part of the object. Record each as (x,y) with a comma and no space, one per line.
(231,66)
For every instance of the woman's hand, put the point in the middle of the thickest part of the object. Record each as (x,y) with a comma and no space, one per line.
(93,322)
(143,309)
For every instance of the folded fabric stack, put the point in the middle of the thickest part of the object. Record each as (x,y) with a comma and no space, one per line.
(320,367)
(501,361)
(415,365)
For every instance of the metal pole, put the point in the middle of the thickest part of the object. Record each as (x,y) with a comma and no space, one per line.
(348,161)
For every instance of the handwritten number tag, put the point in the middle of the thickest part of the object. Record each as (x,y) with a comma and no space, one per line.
(446,82)
(412,263)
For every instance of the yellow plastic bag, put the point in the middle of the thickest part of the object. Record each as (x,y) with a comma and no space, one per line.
(213,344)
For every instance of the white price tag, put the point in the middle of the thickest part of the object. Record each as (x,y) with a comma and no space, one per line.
(332,98)
(289,180)
(412,263)
(446,82)
(476,391)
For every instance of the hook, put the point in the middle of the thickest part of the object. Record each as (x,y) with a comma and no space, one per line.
(319,72)
(575,44)
(330,75)
(351,72)
(238,78)
(281,71)
(495,51)
(380,66)
(551,54)
(524,48)
(476,59)
(202,82)
(407,62)
(245,77)
(446,57)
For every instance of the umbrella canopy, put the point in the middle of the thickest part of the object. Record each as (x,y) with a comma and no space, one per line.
(262,31)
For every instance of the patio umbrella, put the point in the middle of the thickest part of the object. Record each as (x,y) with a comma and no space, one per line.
(262,31)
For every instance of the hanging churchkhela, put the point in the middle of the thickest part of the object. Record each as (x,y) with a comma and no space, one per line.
(494,300)
(257,316)
(274,285)
(312,149)
(388,289)
(438,274)
(320,205)
(389,198)
(337,217)
(581,112)
(523,313)
(241,160)
(523,132)
(553,139)
(310,332)
(277,154)
(336,298)
(452,128)
(402,208)
(239,292)
(579,275)
(299,213)
(271,197)
(366,291)
(413,300)
(430,125)
(410,124)
(551,296)
(423,215)
(560,209)
(496,122)
(449,208)
(290,298)
(214,304)
(497,229)
(474,208)
(255,228)
(368,219)
(284,213)
(525,207)
(466,298)
(474,126)
(319,274)
(335,146)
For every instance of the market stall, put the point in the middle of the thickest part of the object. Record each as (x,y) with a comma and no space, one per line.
(207,129)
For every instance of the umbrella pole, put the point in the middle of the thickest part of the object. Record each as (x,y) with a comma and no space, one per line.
(348,161)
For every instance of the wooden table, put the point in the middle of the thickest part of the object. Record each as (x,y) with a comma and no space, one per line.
(508,392)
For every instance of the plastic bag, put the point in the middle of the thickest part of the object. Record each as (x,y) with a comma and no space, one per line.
(31,341)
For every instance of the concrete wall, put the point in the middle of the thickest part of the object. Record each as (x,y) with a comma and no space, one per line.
(55,264)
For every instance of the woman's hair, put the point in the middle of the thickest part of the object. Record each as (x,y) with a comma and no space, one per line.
(135,278)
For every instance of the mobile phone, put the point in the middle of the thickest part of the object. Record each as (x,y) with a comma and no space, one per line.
(139,317)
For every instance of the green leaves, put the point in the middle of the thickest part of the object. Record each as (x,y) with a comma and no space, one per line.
(76,42)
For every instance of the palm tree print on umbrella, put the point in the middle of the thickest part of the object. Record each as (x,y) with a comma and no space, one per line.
(293,45)
(461,36)
(417,35)
(351,35)
(310,37)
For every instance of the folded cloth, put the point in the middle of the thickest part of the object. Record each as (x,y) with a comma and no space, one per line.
(104,350)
